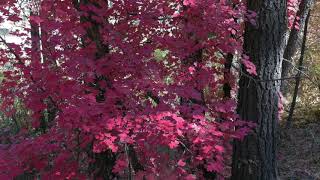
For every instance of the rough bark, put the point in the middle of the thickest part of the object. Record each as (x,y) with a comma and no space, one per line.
(254,158)
(294,42)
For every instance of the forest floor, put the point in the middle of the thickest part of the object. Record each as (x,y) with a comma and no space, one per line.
(299,151)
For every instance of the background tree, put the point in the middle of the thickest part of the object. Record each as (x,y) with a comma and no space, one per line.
(300,64)
(294,42)
(308,99)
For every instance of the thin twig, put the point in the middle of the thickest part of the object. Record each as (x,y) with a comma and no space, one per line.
(302,72)
(262,80)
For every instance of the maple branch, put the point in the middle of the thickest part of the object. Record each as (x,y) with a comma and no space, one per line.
(11,50)
(2,40)
(184,146)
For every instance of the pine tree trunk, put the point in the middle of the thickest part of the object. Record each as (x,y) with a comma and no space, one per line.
(254,158)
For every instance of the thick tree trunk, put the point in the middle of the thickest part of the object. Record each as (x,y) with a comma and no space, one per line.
(254,158)
(294,42)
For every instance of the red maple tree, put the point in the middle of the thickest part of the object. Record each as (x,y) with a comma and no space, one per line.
(128,88)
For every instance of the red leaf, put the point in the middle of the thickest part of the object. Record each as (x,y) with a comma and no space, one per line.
(173,144)
(36,19)
(181,163)
(189,2)
(250,67)
(216,167)
(119,166)
(14,18)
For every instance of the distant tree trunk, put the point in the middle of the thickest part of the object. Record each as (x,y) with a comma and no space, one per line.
(36,42)
(37,54)
(227,70)
(298,76)
(294,42)
(35,39)
(254,158)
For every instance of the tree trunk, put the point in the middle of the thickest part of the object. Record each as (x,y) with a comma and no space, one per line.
(254,158)
(227,70)
(298,76)
(294,42)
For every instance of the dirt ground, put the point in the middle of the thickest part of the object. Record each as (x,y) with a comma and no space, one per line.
(299,152)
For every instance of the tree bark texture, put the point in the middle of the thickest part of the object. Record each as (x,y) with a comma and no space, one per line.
(294,42)
(254,158)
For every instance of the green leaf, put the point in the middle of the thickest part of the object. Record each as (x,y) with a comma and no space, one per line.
(160,55)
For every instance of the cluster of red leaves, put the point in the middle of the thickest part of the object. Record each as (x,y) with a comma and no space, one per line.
(292,8)
(174,128)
